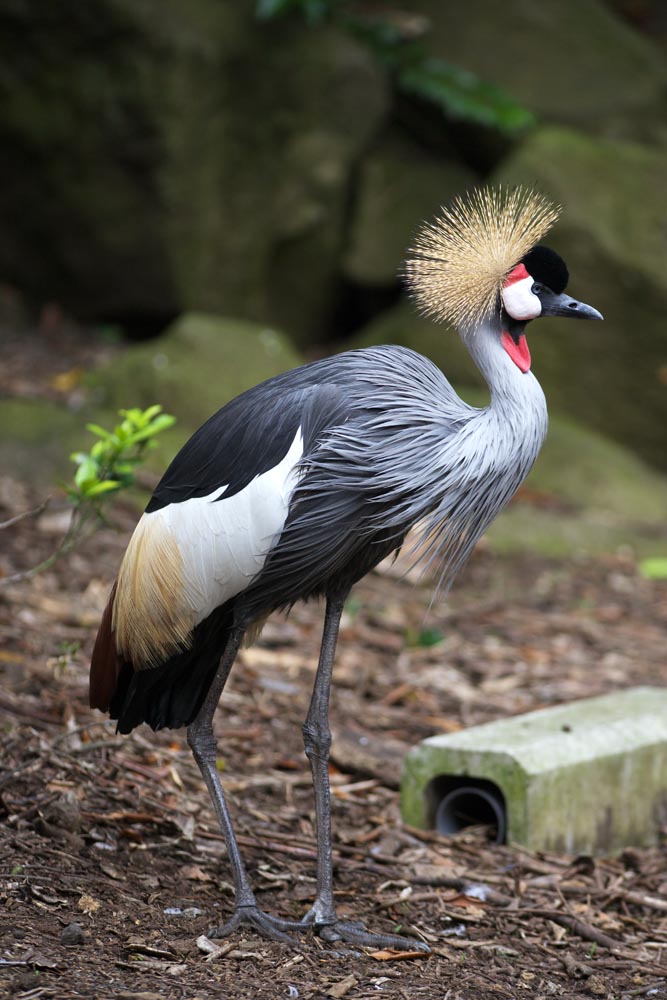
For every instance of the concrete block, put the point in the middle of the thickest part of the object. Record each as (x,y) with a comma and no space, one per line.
(588,777)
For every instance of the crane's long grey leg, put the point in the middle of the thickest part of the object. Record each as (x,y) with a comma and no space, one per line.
(317,744)
(201,739)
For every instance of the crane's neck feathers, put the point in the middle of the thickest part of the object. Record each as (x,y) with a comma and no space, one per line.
(458,265)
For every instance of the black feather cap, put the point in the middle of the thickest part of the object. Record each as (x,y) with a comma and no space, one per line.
(547,267)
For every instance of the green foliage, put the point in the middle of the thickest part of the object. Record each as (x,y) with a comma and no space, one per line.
(111,463)
(654,568)
(461,94)
(457,92)
(424,638)
(313,10)
(429,637)
(108,467)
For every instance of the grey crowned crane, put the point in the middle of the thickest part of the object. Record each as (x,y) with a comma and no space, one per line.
(300,486)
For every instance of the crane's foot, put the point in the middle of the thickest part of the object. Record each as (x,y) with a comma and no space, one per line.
(354,932)
(252,917)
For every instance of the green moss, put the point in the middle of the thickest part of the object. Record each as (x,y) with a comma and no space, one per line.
(613,235)
(569,60)
(198,364)
(36,438)
(588,776)
(399,184)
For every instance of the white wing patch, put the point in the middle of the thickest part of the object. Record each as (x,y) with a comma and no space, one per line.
(220,546)
(224,543)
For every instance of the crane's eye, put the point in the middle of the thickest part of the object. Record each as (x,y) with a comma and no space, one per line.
(536,289)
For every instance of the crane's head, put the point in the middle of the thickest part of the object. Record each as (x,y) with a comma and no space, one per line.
(535,287)
(479,263)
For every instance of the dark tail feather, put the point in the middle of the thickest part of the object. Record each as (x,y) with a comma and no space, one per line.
(170,696)
(106,664)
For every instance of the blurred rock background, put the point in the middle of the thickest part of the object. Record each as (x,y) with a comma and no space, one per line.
(228,187)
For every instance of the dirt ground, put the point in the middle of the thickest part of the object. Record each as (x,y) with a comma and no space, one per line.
(113,870)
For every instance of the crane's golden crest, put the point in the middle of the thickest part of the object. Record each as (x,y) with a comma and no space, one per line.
(457,265)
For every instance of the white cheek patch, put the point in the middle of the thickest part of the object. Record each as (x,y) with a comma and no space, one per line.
(519,302)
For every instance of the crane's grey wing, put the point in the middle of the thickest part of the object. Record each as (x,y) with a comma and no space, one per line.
(368,479)
(215,516)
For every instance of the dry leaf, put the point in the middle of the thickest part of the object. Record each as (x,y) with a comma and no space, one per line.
(66,381)
(88,905)
(195,874)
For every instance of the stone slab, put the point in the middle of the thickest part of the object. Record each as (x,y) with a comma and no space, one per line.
(590,776)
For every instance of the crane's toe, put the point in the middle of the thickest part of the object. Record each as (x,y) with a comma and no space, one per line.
(274,928)
(354,932)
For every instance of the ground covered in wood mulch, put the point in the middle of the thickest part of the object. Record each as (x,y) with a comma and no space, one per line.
(112,869)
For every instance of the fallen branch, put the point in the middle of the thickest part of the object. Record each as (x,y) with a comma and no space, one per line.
(639,899)
(574,924)
(35,512)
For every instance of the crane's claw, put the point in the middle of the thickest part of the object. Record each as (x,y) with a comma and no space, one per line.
(273,928)
(354,932)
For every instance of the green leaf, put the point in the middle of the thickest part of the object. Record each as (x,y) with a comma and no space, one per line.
(429,637)
(126,467)
(110,464)
(144,433)
(101,450)
(122,432)
(100,431)
(97,489)
(461,94)
(151,413)
(132,415)
(312,10)
(86,473)
(654,568)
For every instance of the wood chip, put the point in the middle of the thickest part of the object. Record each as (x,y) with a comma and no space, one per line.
(343,987)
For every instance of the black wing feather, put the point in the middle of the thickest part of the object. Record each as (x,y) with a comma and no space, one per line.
(251,435)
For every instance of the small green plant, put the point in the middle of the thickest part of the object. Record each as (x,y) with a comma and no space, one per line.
(654,568)
(108,467)
(424,638)
(111,463)
(429,637)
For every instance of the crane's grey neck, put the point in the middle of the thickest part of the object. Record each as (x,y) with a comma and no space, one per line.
(513,393)
(515,422)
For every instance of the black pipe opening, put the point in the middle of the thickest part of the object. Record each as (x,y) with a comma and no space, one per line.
(458,802)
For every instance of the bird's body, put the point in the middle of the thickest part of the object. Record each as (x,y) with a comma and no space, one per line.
(340,458)
(296,489)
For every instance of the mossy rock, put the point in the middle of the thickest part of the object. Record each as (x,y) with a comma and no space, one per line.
(613,236)
(571,61)
(398,184)
(403,325)
(199,363)
(36,439)
(194,369)
(586,495)
(186,157)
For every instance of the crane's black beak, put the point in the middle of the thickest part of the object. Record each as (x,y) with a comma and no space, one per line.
(563,305)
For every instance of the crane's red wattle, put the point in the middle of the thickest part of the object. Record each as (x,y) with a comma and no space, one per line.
(518,352)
